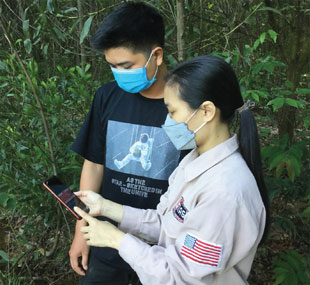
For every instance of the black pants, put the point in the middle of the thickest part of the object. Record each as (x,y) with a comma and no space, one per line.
(99,273)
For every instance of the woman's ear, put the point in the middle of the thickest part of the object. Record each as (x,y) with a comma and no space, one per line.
(209,111)
(159,55)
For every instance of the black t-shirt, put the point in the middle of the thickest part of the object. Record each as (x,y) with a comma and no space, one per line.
(123,132)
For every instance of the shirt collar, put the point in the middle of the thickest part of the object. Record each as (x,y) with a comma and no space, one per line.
(194,165)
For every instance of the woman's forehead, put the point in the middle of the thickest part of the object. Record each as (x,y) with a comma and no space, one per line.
(171,93)
(172,98)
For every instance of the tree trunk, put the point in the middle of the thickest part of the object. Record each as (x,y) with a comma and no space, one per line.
(180,30)
(293,44)
(82,47)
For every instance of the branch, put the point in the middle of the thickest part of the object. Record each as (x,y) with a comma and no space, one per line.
(180,29)
(34,92)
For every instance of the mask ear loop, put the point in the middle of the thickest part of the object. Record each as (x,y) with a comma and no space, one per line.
(155,72)
(200,127)
(191,116)
(148,59)
(148,63)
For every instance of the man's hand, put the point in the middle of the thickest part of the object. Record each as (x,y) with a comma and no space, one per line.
(91,178)
(78,249)
(99,233)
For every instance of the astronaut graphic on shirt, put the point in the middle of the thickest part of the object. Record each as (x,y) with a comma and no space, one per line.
(139,151)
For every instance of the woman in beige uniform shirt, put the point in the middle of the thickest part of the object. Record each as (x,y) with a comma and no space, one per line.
(208,224)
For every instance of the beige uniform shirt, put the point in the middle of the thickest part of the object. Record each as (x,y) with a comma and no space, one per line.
(206,227)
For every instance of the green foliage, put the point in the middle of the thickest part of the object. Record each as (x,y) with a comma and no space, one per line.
(49,36)
(4,256)
(283,99)
(291,268)
(282,156)
(86,28)
(24,144)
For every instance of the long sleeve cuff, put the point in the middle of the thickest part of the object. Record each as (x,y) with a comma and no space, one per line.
(131,221)
(131,249)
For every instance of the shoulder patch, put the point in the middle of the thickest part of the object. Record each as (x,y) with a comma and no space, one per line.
(202,252)
(179,211)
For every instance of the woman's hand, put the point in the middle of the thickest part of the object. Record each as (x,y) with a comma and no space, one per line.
(99,206)
(93,200)
(99,233)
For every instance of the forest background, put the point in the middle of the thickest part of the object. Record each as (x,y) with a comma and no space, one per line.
(49,73)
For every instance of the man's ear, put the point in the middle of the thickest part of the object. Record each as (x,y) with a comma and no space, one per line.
(159,55)
(209,111)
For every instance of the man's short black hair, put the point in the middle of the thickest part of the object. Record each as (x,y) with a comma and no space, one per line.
(136,26)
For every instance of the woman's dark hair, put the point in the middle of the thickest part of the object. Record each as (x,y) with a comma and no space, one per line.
(210,78)
(133,25)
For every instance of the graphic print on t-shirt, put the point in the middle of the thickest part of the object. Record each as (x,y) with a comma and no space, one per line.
(140,150)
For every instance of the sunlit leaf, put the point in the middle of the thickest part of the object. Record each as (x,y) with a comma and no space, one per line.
(277,103)
(87,67)
(72,9)
(85,29)
(291,102)
(262,37)
(273,35)
(303,91)
(26,28)
(45,50)
(50,6)
(271,10)
(281,278)
(256,44)
(28,45)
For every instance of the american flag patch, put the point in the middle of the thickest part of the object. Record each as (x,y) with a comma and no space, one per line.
(202,252)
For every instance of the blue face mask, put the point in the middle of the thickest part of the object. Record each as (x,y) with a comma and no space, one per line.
(180,135)
(133,80)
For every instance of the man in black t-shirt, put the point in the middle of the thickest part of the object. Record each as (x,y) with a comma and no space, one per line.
(128,157)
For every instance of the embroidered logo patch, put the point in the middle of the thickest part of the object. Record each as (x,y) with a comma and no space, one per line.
(202,252)
(179,211)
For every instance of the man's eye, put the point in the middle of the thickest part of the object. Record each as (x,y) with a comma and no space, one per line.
(128,67)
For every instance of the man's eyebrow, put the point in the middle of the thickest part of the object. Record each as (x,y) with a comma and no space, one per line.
(120,63)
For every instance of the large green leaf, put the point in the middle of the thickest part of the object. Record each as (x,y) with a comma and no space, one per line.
(273,35)
(59,34)
(85,29)
(50,6)
(277,103)
(270,10)
(26,28)
(4,197)
(28,45)
(4,256)
(3,66)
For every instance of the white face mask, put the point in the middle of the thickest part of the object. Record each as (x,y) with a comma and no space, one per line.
(179,133)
